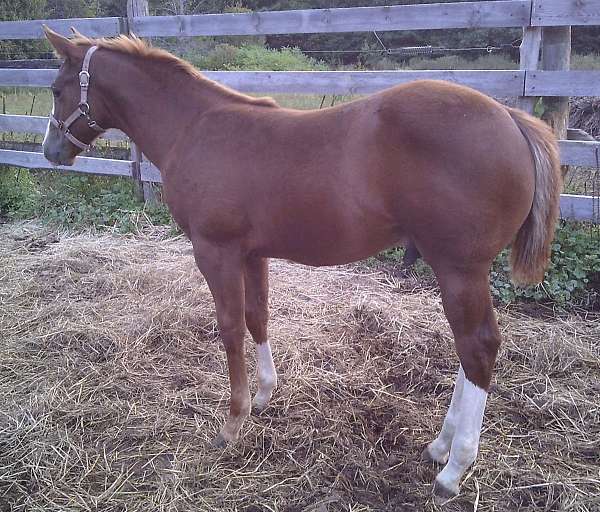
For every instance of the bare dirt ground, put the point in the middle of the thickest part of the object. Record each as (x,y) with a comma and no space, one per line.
(113,383)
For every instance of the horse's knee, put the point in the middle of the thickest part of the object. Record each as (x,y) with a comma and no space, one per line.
(231,334)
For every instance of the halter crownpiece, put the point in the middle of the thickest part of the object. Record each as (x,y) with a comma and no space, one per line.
(83,109)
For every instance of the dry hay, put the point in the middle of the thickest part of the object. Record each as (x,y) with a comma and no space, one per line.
(585,115)
(112,384)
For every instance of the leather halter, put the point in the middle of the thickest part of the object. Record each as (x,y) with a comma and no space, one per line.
(82,110)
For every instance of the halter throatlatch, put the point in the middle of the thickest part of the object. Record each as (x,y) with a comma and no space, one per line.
(83,109)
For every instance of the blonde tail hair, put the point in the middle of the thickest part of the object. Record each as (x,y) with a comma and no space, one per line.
(531,248)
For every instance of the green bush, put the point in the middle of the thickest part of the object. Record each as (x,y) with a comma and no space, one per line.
(75,200)
(253,58)
(573,277)
(286,59)
(17,190)
(78,200)
(491,61)
(220,57)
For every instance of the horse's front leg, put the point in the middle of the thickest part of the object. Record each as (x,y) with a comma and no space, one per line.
(222,266)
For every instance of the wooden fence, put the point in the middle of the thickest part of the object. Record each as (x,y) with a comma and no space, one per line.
(551,79)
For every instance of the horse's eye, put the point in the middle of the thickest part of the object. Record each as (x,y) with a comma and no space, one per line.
(55,92)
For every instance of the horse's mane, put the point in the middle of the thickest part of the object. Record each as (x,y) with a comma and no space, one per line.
(133,45)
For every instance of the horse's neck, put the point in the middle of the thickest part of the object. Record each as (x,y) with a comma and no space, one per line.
(155,105)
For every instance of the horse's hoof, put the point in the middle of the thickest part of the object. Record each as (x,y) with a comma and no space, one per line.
(219,442)
(441,493)
(257,409)
(426,456)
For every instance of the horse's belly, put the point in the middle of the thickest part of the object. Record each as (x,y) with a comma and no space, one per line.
(331,248)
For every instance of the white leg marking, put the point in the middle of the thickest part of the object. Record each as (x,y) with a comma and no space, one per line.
(466,438)
(439,448)
(266,375)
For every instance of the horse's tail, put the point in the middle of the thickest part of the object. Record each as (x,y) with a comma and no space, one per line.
(531,248)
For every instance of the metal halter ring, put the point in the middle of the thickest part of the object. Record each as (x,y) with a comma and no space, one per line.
(84,108)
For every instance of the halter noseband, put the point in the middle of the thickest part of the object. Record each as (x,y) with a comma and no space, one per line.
(83,109)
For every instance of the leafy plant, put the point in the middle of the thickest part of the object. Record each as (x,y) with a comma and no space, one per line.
(573,277)
(75,200)
(253,57)
(16,189)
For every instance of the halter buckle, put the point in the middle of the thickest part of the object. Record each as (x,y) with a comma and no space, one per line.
(84,79)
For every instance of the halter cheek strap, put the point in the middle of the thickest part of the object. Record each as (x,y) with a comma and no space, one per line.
(83,109)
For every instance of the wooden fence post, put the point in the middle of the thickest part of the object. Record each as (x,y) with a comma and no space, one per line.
(529,56)
(144,190)
(556,56)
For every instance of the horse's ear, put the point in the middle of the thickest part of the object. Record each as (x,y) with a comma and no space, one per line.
(76,32)
(61,44)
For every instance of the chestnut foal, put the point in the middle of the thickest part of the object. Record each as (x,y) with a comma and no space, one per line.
(438,165)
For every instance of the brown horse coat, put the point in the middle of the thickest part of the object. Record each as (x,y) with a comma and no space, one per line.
(334,186)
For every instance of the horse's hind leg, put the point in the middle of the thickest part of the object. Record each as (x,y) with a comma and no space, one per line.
(468,307)
(411,255)
(257,317)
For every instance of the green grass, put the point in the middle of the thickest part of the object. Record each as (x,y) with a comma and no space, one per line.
(582,180)
(492,61)
(586,62)
(26,101)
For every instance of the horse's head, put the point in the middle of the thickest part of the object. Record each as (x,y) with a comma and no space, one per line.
(78,111)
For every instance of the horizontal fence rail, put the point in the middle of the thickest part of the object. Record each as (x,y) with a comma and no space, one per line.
(565,12)
(495,83)
(27,77)
(576,207)
(506,13)
(38,124)
(83,164)
(508,83)
(581,153)
(562,83)
(32,29)
(514,13)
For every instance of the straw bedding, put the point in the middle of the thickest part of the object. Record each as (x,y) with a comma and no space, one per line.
(585,114)
(113,383)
